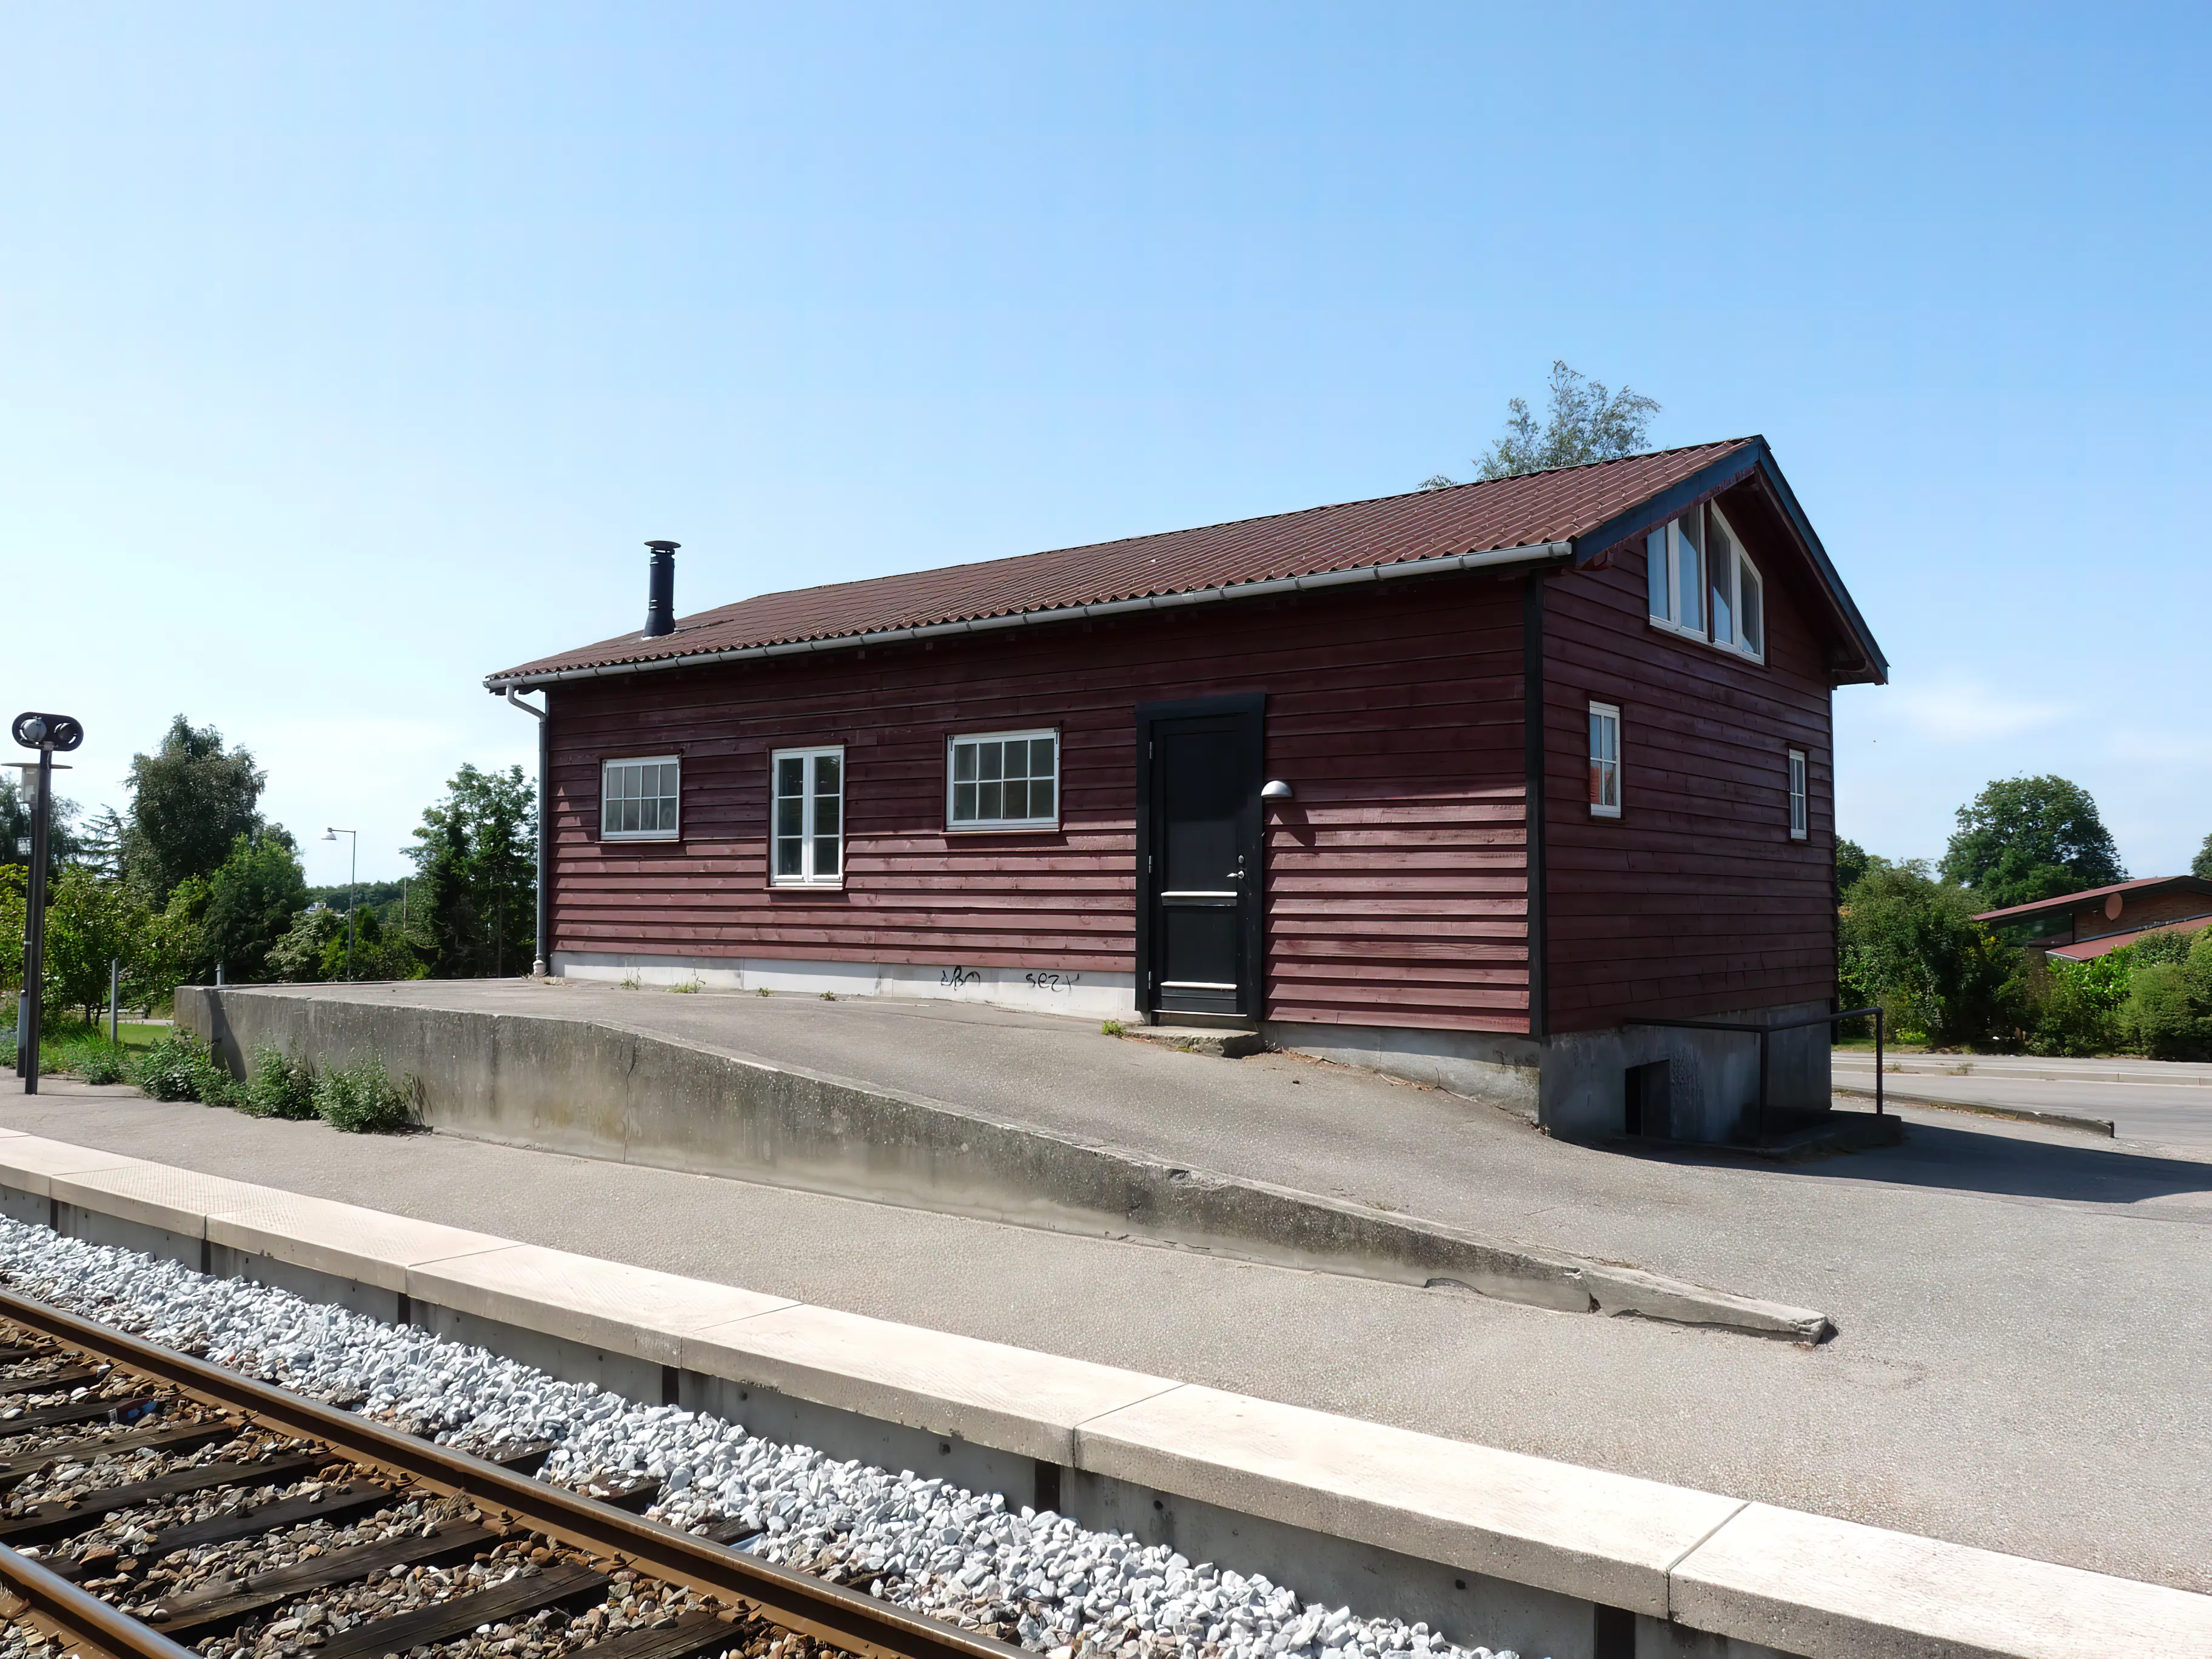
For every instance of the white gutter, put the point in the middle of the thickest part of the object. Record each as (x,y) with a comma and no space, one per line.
(1536,552)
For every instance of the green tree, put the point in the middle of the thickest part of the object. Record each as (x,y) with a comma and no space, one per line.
(298,956)
(17,794)
(99,843)
(2202,864)
(14,902)
(189,802)
(170,952)
(1851,865)
(1908,943)
(476,858)
(2024,839)
(251,901)
(1586,423)
(91,922)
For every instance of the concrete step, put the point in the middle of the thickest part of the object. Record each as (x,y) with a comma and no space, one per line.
(1221,1042)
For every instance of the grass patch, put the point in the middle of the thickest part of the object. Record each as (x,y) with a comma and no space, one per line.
(93,1058)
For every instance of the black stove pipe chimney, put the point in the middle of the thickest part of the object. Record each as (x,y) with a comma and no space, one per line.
(661,591)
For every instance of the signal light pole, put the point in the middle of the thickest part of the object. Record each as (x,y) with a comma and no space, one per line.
(49,734)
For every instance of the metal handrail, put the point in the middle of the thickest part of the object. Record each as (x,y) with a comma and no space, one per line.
(1763,1031)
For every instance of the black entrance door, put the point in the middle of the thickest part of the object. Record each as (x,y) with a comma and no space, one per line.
(1198,856)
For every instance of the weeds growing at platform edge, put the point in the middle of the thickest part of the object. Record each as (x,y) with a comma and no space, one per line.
(281,1086)
(361,1098)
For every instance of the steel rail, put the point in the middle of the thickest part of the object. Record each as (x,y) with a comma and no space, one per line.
(81,1618)
(840,1617)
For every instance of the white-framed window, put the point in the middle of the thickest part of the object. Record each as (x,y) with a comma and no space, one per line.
(1800,817)
(639,799)
(1702,583)
(1002,780)
(1604,761)
(806,825)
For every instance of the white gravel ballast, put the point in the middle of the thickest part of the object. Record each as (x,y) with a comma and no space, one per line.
(926,1545)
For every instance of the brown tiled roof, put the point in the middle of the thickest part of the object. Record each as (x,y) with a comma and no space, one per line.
(2089,950)
(1531,510)
(2071,901)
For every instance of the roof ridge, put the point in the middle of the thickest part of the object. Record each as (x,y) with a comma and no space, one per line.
(1717,445)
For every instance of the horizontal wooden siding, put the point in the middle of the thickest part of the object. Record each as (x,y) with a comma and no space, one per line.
(1694,900)
(1397,883)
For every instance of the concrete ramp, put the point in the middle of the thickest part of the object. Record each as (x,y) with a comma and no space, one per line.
(598,1087)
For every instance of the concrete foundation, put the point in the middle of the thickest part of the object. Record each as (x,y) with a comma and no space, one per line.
(1709,1087)
(1501,1070)
(1579,1085)
(1087,995)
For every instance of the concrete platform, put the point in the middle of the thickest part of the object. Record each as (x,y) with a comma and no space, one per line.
(2021,1366)
(1486,1544)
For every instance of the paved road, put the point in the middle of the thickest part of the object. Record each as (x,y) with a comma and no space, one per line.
(2161,1101)
(2024,1333)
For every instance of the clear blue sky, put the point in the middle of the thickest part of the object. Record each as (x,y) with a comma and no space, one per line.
(350,353)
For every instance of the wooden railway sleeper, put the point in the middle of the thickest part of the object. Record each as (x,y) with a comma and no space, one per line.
(507,1502)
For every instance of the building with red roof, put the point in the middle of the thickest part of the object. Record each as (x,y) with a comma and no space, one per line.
(2078,926)
(1458,783)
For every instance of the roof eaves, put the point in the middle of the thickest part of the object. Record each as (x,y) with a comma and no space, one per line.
(1728,468)
(1741,459)
(2188,883)
(1834,583)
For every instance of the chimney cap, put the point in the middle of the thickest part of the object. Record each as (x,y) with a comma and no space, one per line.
(664,547)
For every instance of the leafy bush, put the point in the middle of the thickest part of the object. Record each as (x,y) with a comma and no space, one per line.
(179,1066)
(2163,1019)
(1911,944)
(2197,972)
(96,1060)
(2170,944)
(361,1098)
(280,1087)
(2079,1013)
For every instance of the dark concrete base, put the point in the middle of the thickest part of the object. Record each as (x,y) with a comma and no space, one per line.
(1799,1143)
(1223,1042)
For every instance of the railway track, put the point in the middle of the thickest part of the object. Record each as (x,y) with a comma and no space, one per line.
(154,1506)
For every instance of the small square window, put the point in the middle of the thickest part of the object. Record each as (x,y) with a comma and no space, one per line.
(1800,803)
(807,821)
(1004,780)
(638,798)
(1604,761)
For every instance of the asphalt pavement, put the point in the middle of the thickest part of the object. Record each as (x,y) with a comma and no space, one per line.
(2166,1102)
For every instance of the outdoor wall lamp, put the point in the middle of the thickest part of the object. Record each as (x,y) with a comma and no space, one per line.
(1275,789)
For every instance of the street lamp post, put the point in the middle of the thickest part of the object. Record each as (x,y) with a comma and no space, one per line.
(353,873)
(47,734)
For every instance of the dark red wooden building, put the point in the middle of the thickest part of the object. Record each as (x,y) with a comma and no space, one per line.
(1453,783)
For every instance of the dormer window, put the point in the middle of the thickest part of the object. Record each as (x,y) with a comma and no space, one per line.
(1704,585)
